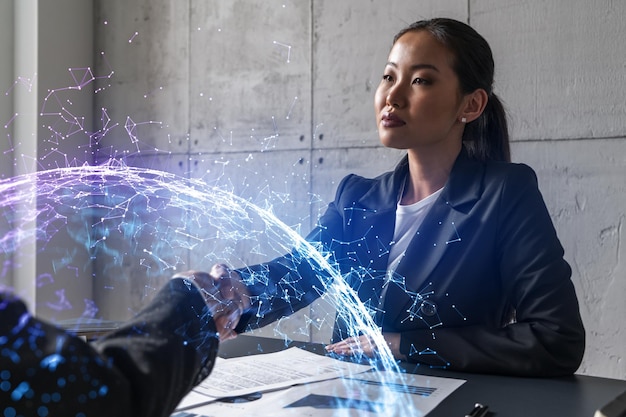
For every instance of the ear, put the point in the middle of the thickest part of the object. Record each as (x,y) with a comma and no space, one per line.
(474,104)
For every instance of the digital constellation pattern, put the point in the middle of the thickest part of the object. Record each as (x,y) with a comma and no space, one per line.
(287,49)
(69,142)
(421,309)
(58,105)
(99,218)
(113,211)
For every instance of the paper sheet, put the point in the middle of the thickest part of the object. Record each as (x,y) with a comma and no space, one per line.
(332,388)
(362,395)
(266,372)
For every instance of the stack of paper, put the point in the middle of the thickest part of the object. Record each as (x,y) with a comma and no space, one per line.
(295,382)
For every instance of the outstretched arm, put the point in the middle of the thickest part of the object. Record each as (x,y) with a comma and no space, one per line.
(144,368)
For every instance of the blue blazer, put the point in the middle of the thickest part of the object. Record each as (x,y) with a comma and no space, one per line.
(483,286)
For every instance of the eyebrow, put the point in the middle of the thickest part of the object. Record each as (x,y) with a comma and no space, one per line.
(416,66)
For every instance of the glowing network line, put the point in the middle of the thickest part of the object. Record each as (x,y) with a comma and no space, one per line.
(91,221)
(160,217)
(287,47)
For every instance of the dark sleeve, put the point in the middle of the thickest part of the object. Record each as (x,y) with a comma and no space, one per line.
(167,349)
(142,369)
(289,283)
(547,337)
(45,371)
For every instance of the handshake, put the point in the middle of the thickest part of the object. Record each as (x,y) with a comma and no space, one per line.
(225,294)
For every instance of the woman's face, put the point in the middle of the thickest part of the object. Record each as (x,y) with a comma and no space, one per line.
(418,102)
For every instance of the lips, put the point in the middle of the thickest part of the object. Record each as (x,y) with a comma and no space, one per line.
(391,120)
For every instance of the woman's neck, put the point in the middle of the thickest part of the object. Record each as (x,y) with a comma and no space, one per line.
(427,174)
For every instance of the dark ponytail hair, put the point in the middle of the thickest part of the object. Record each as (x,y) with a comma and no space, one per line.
(486,138)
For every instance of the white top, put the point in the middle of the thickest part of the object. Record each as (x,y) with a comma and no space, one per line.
(408,220)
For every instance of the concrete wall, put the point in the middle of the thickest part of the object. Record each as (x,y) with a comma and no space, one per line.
(6,79)
(7,110)
(273,100)
(283,89)
(45,120)
(561,69)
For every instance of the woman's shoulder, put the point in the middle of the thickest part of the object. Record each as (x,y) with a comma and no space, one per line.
(358,182)
(510,171)
(352,187)
(355,180)
(511,181)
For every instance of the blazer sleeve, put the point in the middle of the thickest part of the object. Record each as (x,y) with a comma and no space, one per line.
(142,369)
(546,337)
(286,284)
(167,349)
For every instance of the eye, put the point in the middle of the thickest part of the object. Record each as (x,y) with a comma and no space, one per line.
(421,81)
(387,78)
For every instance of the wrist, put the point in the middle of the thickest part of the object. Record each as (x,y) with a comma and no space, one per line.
(206,287)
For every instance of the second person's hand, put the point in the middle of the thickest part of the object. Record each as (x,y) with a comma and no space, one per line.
(225,294)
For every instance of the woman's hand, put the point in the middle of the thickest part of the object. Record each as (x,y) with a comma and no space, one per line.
(225,294)
(365,345)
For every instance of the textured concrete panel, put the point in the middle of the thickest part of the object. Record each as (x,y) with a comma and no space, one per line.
(7,111)
(560,65)
(351,43)
(7,80)
(250,72)
(275,182)
(584,188)
(142,49)
(64,56)
(130,271)
(331,165)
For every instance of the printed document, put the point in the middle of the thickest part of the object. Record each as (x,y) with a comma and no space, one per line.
(266,372)
(298,383)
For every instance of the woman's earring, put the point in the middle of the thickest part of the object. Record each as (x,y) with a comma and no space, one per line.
(463,120)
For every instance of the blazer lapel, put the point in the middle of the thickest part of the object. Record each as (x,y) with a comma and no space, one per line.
(439,230)
(377,223)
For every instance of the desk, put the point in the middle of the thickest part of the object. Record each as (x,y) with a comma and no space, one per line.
(90,329)
(571,396)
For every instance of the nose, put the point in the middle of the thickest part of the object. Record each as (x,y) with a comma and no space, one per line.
(395,97)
